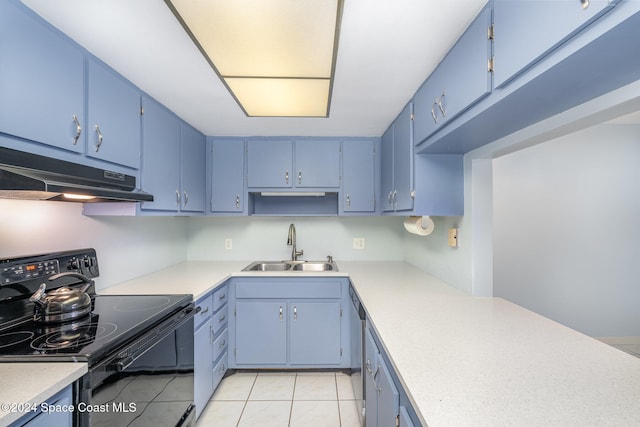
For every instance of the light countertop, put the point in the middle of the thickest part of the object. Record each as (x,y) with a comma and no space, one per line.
(29,384)
(463,360)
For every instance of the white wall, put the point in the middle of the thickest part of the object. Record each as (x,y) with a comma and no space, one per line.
(265,238)
(567,229)
(127,247)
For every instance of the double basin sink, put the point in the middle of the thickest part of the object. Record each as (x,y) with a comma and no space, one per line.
(276,266)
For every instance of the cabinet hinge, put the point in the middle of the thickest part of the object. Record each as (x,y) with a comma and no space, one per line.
(412,116)
(340,351)
(397,420)
(490,32)
(340,311)
(491,64)
(141,110)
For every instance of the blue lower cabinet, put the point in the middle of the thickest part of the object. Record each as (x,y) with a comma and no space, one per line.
(386,402)
(203,360)
(210,346)
(315,333)
(261,333)
(284,323)
(57,418)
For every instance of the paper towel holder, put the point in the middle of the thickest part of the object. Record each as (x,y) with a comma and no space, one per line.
(419,225)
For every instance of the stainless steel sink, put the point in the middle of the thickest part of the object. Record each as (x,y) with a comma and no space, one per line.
(291,266)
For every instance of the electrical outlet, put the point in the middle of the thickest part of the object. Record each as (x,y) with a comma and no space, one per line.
(453,237)
(358,243)
(228,244)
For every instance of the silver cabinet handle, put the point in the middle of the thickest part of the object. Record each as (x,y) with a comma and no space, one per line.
(295,313)
(211,334)
(441,103)
(186,198)
(76,137)
(299,177)
(99,143)
(237,201)
(177,198)
(204,311)
(348,201)
(222,344)
(286,177)
(390,197)
(221,318)
(221,370)
(434,110)
(221,297)
(280,312)
(395,196)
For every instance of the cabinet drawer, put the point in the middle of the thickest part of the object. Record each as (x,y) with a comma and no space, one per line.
(206,308)
(220,344)
(220,298)
(321,288)
(219,321)
(219,370)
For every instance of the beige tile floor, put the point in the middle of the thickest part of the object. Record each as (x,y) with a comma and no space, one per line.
(282,399)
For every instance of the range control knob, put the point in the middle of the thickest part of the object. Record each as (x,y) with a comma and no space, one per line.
(73,264)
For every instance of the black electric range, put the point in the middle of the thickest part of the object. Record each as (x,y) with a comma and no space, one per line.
(114,319)
(124,339)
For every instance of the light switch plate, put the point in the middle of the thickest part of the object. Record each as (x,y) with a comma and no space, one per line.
(228,244)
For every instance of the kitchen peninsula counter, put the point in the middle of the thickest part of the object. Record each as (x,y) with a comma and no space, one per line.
(463,360)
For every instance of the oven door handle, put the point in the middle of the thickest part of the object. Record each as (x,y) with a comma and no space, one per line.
(153,337)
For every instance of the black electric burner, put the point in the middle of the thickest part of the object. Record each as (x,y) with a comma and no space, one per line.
(113,321)
(89,338)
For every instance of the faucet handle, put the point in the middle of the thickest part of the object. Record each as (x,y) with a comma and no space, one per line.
(329,258)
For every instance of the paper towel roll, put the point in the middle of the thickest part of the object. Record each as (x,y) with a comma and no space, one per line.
(420,225)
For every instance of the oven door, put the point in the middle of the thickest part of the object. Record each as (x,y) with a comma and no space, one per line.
(149,382)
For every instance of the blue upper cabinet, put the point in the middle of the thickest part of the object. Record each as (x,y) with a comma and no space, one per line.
(288,164)
(227,175)
(161,160)
(41,81)
(317,163)
(174,161)
(269,163)
(193,165)
(358,176)
(397,163)
(462,78)
(526,30)
(114,117)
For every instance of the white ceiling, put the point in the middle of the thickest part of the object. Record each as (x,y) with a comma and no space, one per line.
(386,50)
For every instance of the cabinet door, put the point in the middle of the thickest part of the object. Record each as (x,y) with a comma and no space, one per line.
(317,164)
(526,30)
(459,81)
(41,81)
(227,175)
(387,170)
(370,388)
(113,117)
(358,176)
(388,396)
(193,165)
(203,365)
(269,163)
(315,333)
(161,158)
(261,332)
(403,160)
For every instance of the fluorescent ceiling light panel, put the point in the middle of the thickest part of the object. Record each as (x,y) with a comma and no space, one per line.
(276,57)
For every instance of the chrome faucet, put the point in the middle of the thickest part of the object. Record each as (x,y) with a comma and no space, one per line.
(291,241)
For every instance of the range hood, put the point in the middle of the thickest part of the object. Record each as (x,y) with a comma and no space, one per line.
(34,177)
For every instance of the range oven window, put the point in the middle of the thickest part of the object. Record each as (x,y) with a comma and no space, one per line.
(155,389)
